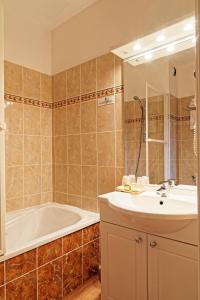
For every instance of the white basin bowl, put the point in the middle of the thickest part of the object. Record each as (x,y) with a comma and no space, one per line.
(150,212)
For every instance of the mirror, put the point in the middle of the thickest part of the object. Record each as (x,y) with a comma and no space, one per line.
(160,117)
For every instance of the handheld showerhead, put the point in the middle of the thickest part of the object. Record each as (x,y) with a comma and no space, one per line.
(136,98)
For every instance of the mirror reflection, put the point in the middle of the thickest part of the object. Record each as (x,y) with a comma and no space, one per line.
(160,117)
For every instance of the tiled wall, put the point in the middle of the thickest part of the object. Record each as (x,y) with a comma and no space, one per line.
(28,137)
(57,122)
(53,270)
(88,151)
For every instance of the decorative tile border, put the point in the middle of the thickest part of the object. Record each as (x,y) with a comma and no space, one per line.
(54,270)
(158,118)
(28,101)
(83,98)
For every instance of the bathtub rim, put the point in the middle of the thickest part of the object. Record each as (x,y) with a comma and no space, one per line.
(89,218)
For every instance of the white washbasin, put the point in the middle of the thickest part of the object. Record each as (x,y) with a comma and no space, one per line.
(151,212)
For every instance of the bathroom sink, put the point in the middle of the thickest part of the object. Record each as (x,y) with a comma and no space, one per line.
(152,213)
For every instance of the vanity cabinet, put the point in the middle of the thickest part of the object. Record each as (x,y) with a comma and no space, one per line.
(140,266)
(124,263)
(172,270)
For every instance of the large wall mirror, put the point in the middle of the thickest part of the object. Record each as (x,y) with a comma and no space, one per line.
(160,115)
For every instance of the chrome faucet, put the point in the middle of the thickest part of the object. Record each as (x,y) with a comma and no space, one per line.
(166,185)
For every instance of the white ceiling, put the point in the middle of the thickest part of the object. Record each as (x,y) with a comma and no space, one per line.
(48,13)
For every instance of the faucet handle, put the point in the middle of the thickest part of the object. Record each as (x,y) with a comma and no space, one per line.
(172,182)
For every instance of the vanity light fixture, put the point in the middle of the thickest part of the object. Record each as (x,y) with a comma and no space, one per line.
(160,38)
(172,39)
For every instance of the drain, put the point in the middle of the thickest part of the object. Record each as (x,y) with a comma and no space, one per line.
(161,202)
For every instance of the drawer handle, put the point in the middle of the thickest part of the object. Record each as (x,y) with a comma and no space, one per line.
(139,240)
(153,244)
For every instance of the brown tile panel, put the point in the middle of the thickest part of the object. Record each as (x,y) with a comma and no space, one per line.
(91,233)
(49,251)
(2,292)
(72,241)
(56,275)
(50,281)
(72,271)
(2,273)
(91,258)
(24,288)
(19,265)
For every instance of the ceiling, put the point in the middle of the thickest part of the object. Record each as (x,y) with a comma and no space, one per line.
(48,13)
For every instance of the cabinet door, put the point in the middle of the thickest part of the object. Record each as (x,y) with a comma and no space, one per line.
(124,263)
(172,270)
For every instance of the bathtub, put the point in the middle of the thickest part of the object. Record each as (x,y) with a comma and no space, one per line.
(30,228)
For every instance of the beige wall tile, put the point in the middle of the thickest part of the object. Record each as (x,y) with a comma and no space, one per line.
(106,180)
(60,178)
(105,71)
(74,180)
(60,149)
(90,204)
(119,111)
(31,84)
(31,120)
(120,151)
(12,78)
(32,150)
(59,86)
(88,116)
(47,197)
(73,118)
(89,149)
(32,200)
(118,71)
(73,82)
(120,172)
(14,182)
(105,118)
(47,155)
(46,87)
(74,150)
(14,204)
(14,149)
(60,121)
(46,122)
(88,77)
(32,180)
(47,178)
(74,200)
(14,118)
(89,181)
(106,149)
(60,198)
(187,149)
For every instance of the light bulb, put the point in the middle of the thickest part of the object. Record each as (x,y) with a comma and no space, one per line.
(160,38)
(137,47)
(148,56)
(188,27)
(170,48)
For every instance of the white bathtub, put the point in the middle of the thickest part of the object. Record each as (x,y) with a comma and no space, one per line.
(32,227)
